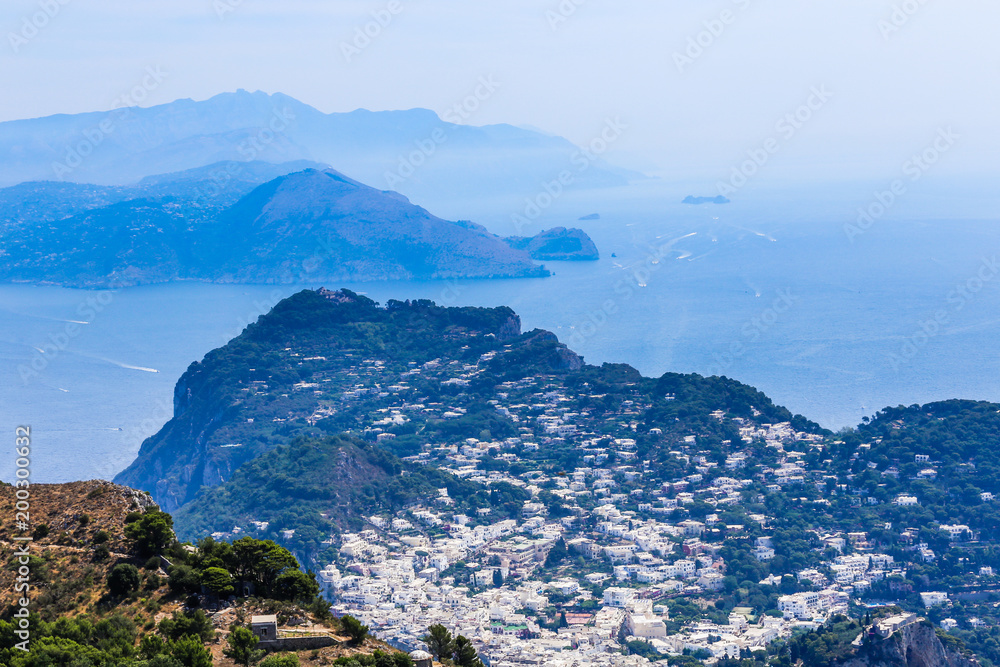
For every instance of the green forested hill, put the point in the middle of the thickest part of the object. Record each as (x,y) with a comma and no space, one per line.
(944,454)
(248,396)
(952,433)
(416,378)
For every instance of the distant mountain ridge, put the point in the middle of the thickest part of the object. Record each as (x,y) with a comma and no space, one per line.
(224,223)
(333,227)
(215,185)
(413,151)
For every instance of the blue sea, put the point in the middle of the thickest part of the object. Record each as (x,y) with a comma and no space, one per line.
(779,292)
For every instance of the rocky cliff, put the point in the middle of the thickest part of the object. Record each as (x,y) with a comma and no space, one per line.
(916,645)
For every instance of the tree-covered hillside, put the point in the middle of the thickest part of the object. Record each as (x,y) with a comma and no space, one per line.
(316,487)
(943,455)
(409,379)
(306,368)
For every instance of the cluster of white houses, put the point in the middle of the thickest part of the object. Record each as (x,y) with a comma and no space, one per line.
(636,551)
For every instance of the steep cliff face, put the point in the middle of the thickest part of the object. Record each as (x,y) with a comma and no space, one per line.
(913,646)
(510,328)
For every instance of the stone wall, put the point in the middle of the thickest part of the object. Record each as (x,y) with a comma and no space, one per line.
(298,643)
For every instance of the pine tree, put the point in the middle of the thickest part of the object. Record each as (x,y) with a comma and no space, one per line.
(439,641)
(465,654)
(557,554)
(243,647)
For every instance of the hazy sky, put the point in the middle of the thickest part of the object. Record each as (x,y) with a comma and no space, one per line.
(895,80)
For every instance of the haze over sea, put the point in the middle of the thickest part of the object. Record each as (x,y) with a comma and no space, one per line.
(773,293)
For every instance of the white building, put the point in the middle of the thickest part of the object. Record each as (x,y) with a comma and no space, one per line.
(799,605)
(619,597)
(933,599)
(645,626)
(956,532)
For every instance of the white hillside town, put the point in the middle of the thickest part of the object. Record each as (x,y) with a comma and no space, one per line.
(627,560)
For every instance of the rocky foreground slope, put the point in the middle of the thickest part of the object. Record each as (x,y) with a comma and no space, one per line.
(103,594)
